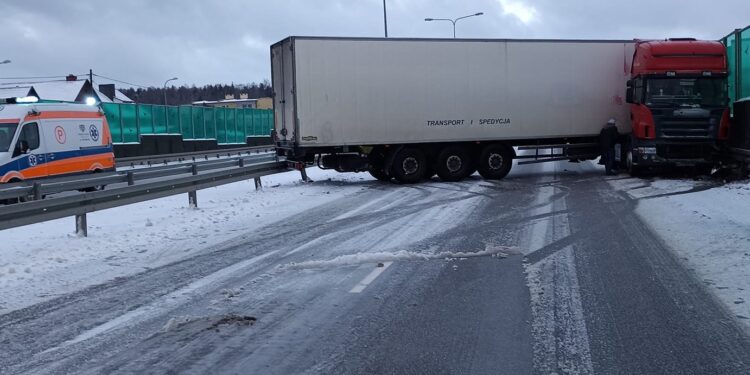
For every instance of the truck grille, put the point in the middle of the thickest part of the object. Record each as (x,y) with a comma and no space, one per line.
(687,151)
(686,128)
(701,126)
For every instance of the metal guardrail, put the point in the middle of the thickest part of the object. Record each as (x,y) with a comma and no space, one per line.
(142,185)
(183,156)
(36,189)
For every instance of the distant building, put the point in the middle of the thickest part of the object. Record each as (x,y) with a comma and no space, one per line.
(113,94)
(230,101)
(70,90)
(17,92)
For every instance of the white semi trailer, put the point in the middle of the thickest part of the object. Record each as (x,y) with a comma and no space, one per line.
(406,109)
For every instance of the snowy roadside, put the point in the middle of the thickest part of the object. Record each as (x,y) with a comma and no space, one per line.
(45,260)
(707,226)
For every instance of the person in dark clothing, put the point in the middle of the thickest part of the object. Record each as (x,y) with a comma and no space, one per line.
(607,141)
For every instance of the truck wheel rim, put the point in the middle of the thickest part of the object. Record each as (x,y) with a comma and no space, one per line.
(495,161)
(410,165)
(453,163)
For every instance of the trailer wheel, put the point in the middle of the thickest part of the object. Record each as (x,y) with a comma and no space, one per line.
(495,161)
(409,165)
(454,163)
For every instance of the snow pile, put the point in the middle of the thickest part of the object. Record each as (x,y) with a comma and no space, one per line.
(380,257)
(46,260)
(707,226)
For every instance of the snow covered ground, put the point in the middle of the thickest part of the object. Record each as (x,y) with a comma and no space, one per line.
(44,260)
(707,225)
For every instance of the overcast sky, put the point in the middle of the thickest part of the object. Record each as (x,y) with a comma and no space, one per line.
(146,42)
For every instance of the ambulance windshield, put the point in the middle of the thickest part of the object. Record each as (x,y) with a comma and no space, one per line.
(6,135)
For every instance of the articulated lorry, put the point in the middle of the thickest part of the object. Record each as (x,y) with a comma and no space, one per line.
(406,109)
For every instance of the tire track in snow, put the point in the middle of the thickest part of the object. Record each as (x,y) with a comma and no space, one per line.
(558,324)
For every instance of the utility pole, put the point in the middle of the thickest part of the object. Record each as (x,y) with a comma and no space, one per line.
(91,77)
(385,19)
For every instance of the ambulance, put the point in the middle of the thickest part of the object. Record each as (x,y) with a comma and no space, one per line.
(40,140)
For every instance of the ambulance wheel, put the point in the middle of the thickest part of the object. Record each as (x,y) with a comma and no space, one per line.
(454,163)
(495,161)
(94,188)
(409,165)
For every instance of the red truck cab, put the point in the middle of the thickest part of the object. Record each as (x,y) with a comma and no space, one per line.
(679,106)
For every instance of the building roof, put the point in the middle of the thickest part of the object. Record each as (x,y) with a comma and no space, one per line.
(66,91)
(15,92)
(122,97)
(102,98)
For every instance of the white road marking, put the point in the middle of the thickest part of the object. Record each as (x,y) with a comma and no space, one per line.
(558,325)
(370,278)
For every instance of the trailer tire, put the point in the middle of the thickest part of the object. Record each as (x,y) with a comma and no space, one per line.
(454,163)
(409,165)
(495,161)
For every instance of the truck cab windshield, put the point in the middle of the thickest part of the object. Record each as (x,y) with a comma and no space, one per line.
(687,92)
(7,130)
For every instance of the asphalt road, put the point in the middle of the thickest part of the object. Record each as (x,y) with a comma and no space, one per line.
(571,281)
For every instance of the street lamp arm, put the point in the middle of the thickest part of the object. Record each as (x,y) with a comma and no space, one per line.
(453,21)
(439,19)
(470,15)
(167,81)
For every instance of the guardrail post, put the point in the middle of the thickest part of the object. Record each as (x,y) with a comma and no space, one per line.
(258,184)
(37,189)
(241,162)
(131,178)
(81,226)
(193,194)
(303,172)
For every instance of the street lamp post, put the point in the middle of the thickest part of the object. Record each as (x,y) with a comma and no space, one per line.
(453,21)
(165,88)
(5,62)
(385,19)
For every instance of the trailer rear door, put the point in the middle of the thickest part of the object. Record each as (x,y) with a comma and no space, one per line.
(282,74)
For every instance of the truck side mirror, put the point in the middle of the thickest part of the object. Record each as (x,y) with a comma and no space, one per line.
(629,95)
